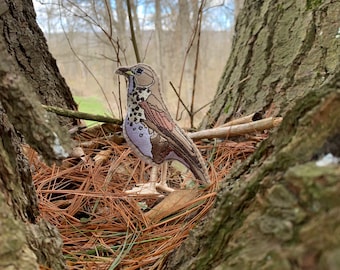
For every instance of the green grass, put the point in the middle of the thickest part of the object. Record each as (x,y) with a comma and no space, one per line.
(91,105)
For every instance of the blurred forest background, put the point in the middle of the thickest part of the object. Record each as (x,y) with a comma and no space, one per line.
(186,41)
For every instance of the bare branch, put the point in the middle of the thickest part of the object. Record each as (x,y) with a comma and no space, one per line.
(199,23)
(82,115)
(133,36)
(180,99)
(236,130)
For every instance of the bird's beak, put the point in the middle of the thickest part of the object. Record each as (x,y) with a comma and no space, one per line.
(125,71)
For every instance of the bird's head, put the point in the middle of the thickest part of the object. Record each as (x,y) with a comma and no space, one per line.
(141,75)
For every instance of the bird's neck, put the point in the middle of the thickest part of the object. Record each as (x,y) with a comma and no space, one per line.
(135,112)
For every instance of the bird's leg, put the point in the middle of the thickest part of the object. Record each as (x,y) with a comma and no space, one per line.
(162,183)
(153,177)
(147,188)
(152,185)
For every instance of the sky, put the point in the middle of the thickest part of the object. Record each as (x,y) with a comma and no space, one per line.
(217,16)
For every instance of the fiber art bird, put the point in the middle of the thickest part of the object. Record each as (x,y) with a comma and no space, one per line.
(150,130)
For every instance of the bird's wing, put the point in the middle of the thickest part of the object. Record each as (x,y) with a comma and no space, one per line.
(174,143)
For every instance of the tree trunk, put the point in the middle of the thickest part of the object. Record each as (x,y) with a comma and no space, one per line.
(280,209)
(28,73)
(25,240)
(26,42)
(159,44)
(281,50)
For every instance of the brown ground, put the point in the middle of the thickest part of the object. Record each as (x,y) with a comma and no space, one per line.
(101,226)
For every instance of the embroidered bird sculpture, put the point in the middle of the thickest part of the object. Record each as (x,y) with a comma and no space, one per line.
(150,130)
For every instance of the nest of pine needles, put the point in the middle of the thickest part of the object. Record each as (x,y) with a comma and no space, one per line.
(102,226)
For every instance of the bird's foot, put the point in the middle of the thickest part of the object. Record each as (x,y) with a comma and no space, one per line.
(149,189)
(164,187)
(144,189)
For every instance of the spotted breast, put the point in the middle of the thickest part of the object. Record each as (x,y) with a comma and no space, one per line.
(148,127)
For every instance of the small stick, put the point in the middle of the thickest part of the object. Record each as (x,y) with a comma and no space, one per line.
(236,130)
(81,115)
(242,120)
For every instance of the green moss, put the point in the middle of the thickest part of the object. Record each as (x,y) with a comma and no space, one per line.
(318,186)
(312,4)
(227,107)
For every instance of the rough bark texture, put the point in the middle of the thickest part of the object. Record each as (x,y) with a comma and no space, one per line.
(279,210)
(18,201)
(25,240)
(281,50)
(21,104)
(27,44)
(28,73)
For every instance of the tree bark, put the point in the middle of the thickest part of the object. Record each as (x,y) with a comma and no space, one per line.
(26,43)
(25,240)
(281,50)
(28,74)
(280,209)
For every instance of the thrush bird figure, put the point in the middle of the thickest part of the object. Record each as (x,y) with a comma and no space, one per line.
(150,130)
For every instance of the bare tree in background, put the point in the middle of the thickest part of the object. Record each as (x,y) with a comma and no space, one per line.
(99,37)
(159,43)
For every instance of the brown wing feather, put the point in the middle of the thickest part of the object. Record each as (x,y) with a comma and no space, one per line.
(179,142)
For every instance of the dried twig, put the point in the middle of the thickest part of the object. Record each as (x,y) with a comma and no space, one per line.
(132,31)
(82,115)
(242,120)
(179,98)
(236,130)
(199,26)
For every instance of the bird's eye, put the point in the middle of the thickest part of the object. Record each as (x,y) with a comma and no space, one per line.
(139,71)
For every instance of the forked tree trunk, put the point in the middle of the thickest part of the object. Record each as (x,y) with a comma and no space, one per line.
(279,209)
